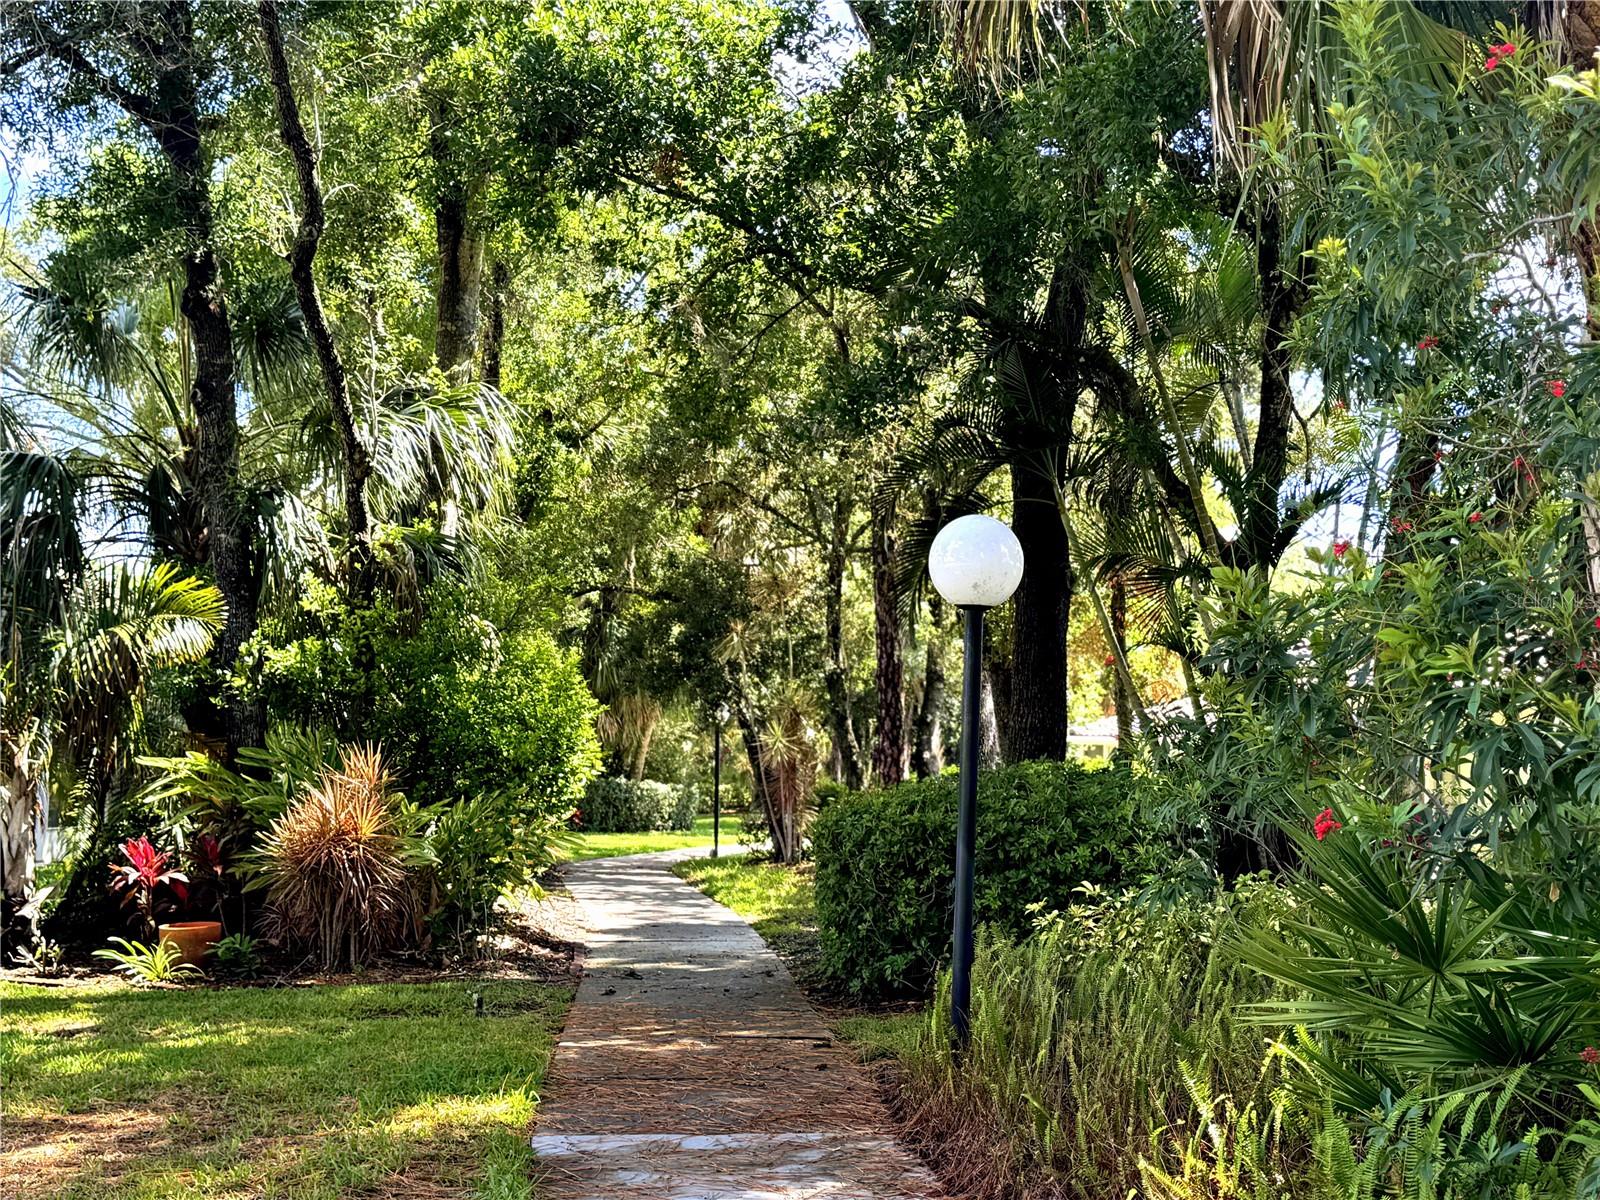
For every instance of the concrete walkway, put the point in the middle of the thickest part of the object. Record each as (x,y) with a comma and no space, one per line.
(692,1068)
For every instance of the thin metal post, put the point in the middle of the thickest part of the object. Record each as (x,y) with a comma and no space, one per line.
(716,790)
(966,828)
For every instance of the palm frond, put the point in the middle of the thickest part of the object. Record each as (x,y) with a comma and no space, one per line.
(1267,58)
(41,552)
(127,621)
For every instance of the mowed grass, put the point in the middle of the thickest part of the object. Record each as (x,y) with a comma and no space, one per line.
(119,1093)
(614,845)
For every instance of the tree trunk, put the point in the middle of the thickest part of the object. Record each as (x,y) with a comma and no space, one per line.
(1281,294)
(988,722)
(927,756)
(356,462)
(1119,690)
(17,834)
(494,334)
(460,281)
(1036,726)
(229,528)
(997,695)
(889,750)
(170,112)
(785,846)
(1580,35)
(835,675)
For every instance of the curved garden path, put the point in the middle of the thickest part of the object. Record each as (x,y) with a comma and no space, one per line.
(692,1068)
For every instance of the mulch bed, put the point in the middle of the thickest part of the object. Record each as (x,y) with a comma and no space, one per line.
(538,941)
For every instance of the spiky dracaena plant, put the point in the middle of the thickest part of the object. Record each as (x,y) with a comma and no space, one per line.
(792,760)
(335,865)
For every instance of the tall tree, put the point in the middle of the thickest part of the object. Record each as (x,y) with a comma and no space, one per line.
(357,462)
(150,62)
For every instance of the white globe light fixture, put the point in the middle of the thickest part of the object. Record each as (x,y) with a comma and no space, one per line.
(975,563)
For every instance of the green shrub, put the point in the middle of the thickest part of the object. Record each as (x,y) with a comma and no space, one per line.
(472,700)
(468,708)
(636,806)
(477,850)
(826,793)
(885,864)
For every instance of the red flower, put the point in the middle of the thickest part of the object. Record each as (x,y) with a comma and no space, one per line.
(1400,526)
(1428,343)
(1325,824)
(1503,50)
(1438,456)
(1475,517)
(1556,387)
(1340,547)
(1490,63)
(1110,659)
(1590,1055)
(1597,622)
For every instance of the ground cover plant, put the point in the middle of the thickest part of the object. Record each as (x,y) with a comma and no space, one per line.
(316,1092)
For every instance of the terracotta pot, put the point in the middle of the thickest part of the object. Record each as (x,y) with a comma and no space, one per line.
(195,940)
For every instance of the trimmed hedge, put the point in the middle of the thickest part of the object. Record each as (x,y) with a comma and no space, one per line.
(886,864)
(636,806)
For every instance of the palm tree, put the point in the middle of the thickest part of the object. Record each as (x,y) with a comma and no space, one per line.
(77,700)
(41,562)
(102,371)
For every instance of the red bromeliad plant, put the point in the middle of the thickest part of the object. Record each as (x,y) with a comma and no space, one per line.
(208,874)
(143,877)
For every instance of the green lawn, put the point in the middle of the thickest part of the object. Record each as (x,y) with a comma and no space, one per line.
(118,1093)
(613,845)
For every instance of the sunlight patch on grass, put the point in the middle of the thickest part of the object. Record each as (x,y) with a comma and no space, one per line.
(780,901)
(772,897)
(313,1092)
(614,845)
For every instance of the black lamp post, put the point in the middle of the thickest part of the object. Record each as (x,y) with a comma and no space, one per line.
(975,563)
(721,718)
